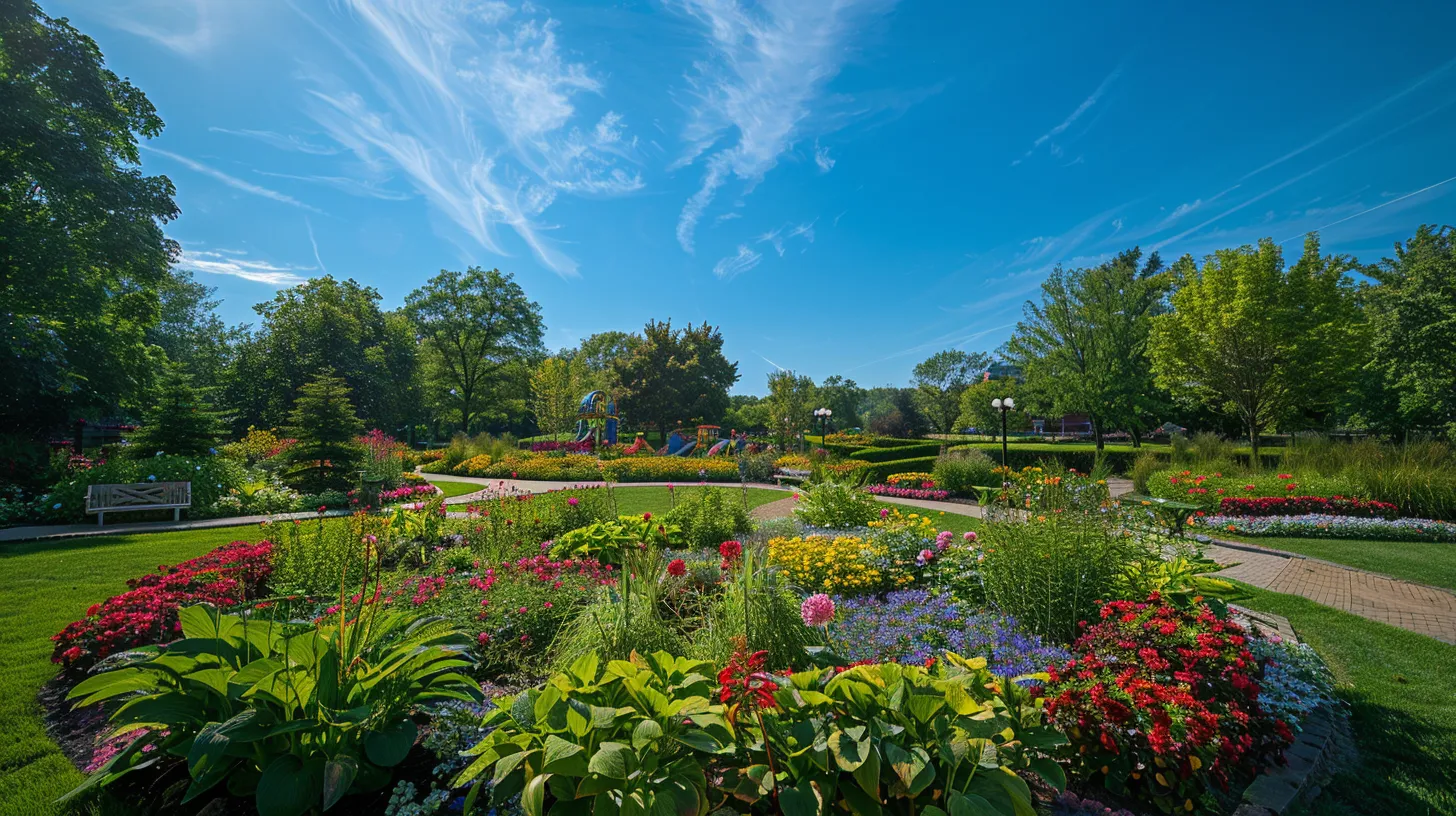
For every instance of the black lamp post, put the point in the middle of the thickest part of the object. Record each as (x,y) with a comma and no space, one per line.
(823,415)
(1003,405)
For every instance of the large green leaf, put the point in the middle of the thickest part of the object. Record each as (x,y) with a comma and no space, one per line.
(613,760)
(389,746)
(287,788)
(533,797)
(646,733)
(969,804)
(1050,771)
(851,747)
(339,774)
(800,800)
(563,757)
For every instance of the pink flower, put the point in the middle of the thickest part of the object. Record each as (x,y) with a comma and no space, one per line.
(522,610)
(483,638)
(817,610)
(925,556)
(884,512)
(573,501)
(969,536)
(547,605)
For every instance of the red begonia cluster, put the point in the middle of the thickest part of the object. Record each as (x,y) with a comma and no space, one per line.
(1304,505)
(1161,702)
(147,613)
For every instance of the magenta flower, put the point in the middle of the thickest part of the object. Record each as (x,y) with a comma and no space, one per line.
(817,610)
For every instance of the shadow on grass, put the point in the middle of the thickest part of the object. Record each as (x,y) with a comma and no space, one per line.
(1395,770)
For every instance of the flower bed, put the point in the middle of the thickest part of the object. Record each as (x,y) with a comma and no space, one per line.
(584,446)
(147,613)
(1304,505)
(911,479)
(1187,485)
(1317,525)
(913,626)
(1163,704)
(408,492)
(909,492)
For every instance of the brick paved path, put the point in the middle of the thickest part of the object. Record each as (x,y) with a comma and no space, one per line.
(1427,610)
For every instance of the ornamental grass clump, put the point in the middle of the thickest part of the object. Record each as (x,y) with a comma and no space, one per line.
(1164,705)
(1049,571)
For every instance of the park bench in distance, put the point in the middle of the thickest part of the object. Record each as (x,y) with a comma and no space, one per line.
(121,498)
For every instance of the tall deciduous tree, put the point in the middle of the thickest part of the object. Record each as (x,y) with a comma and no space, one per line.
(1253,339)
(1081,349)
(791,403)
(1412,314)
(940,381)
(557,386)
(82,254)
(977,412)
(474,324)
(595,356)
(843,397)
(675,375)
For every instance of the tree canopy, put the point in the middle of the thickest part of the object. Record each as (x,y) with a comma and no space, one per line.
(675,376)
(939,382)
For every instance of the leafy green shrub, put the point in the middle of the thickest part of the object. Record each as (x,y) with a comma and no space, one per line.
(929,741)
(756,607)
(314,557)
(960,471)
(708,516)
(630,737)
(508,527)
(836,506)
(1049,571)
(757,468)
(212,478)
(610,541)
(294,716)
(1143,469)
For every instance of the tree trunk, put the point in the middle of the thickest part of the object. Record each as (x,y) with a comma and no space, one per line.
(1096,431)
(1137,439)
(1255,463)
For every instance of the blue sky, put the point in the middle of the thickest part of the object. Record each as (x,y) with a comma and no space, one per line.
(845,186)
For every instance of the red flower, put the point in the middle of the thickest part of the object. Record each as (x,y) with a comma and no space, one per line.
(730,550)
(677,568)
(647,517)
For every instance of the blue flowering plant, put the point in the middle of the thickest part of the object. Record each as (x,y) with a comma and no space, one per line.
(913,626)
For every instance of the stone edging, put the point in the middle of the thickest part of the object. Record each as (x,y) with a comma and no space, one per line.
(1324,736)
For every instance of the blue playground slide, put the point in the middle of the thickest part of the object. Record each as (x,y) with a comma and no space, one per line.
(686,449)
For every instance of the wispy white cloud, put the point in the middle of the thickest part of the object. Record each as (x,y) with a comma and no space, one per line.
(779,237)
(478,112)
(734,265)
(1071,119)
(1354,120)
(231,181)
(313,242)
(755,97)
(822,158)
(235,263)
(1379,206)
(352,186)
(188,27)
(282,141)
(727,216)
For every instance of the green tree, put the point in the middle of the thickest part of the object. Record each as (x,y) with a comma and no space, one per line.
(474,325)
(1412,312)
(595,356)
(746,413)
(976,410)
(324,324)
(82,253)
(675,375)
(1081,349)
(791,402)
(180,420)
(940,381)
(189,330)
(556,392)
(1250,338)
(325,424)
(843,397)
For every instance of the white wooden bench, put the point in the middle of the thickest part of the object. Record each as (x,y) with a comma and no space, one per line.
(120,498)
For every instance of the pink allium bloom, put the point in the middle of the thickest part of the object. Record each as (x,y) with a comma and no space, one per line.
(573,501)
(969,536)
(817,610)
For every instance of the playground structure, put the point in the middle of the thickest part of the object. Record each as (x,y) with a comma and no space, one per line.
(596,419)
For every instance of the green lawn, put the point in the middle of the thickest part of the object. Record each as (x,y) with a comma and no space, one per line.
(1403,709)
(1424,562)
(44,586)
(451,488)
(634,501)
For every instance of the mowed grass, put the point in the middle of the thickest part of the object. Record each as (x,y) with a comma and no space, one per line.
(1403,711)
(43,587)
(451,488)
(1424,562)
(634,501)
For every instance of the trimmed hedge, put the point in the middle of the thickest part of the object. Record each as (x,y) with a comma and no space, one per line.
(882,454)
(880,471)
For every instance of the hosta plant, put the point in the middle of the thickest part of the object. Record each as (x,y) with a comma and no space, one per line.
(608,541)
(630,737)
(293,716)
(888,738)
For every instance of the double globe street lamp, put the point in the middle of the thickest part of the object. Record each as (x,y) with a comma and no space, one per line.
(1003,405)
(823,415)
